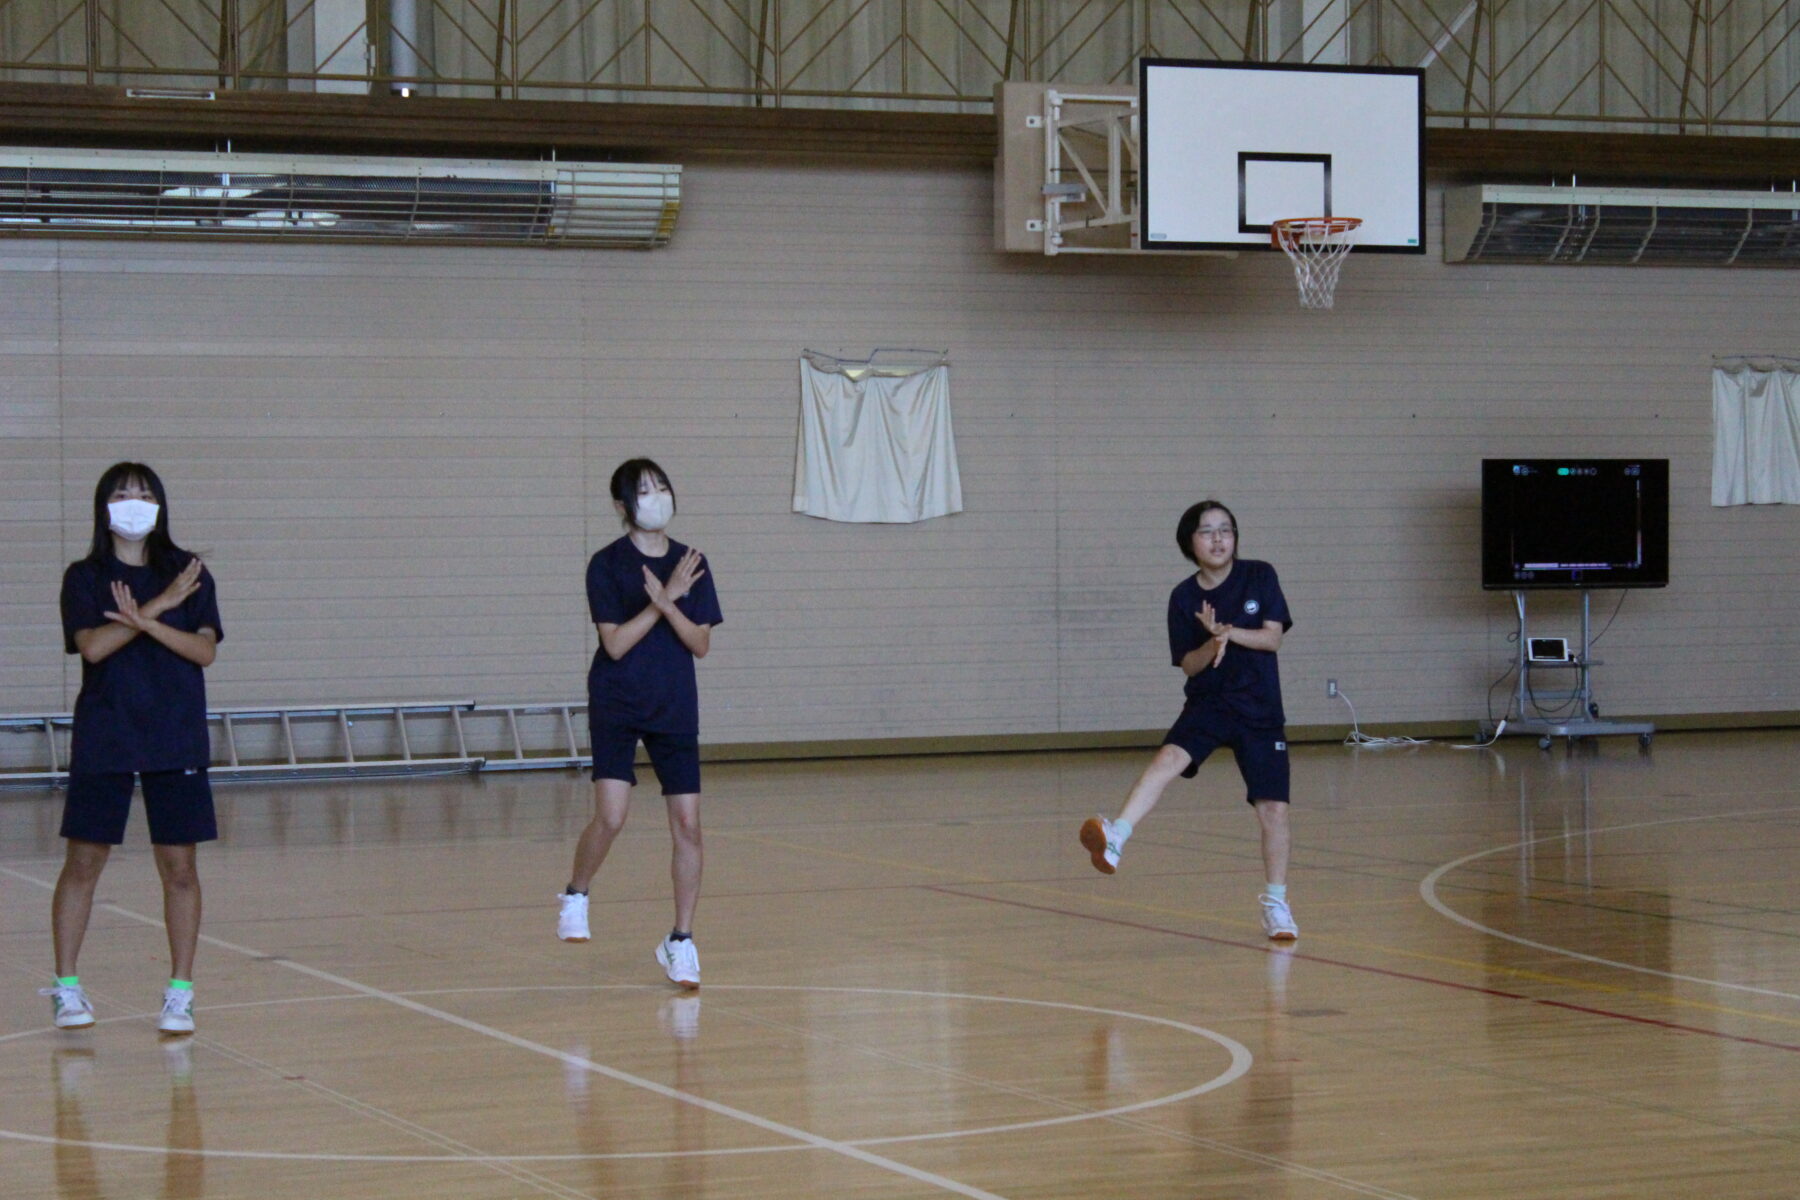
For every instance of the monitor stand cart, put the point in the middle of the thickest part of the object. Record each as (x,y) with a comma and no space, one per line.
(1585,721)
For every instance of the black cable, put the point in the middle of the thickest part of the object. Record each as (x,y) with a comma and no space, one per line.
(1595,640)
(1568,707)
(1504,676)
(1513,639)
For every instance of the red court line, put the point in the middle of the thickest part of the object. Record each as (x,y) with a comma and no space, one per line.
(1262,948)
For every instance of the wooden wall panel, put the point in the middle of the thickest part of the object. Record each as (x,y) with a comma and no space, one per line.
(396,459)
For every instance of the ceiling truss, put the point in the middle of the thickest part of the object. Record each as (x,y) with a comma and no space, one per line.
(1664,66)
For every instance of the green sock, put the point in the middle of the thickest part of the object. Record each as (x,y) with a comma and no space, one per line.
(182,985)
(68,981)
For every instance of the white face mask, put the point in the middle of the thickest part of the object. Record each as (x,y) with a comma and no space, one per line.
(654,510)
(132,519)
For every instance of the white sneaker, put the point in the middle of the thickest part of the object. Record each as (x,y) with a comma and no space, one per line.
(1101,843)
(1278,922)
(572,925)
(178,1011)
(70,1006)
(681,960)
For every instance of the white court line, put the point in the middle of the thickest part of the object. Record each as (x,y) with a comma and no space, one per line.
(1240,1063)
(1123,1114)
(462,1151)
(1428,892)
(574,1060)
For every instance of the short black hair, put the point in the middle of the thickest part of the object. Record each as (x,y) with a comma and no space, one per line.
(624,486)
(1190,521)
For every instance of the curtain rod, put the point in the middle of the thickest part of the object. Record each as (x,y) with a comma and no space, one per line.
(920,351)
(899,363)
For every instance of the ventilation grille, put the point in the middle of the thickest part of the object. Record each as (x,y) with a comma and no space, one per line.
(126,193)
(1621,227)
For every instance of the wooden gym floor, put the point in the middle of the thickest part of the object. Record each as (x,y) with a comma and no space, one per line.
(1522,974)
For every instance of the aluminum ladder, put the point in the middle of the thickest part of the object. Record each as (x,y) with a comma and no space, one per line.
(335,741)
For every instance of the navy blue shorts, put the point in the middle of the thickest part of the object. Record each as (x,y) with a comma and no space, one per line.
(1261,752)
(179,805)
(675,756)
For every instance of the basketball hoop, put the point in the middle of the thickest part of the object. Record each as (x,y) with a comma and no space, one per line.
(1316,246)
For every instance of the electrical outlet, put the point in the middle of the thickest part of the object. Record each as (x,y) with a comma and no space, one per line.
(1331,689)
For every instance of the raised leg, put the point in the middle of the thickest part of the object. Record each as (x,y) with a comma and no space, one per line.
(1165,767)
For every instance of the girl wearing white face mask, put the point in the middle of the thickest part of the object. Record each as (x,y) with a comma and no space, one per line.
(653,602)
(144,616)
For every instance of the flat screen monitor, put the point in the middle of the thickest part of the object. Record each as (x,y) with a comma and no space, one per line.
(1574,522)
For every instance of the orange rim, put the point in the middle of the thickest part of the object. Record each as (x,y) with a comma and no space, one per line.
(1295,226)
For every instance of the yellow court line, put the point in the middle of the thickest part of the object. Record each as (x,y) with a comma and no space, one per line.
(1478,968)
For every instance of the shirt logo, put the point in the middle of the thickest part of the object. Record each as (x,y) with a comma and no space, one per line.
(1281,745)
(1252,607)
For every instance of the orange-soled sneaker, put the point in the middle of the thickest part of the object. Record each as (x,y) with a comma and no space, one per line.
(1098,839)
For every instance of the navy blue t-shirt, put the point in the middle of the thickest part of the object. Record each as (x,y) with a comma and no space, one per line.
(1248,682)
(652,688)
(142,707)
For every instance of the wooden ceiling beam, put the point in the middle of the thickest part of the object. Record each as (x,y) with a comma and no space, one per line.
(66,115)
(295,121)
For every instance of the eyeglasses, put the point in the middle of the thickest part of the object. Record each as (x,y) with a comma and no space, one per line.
(1221,531)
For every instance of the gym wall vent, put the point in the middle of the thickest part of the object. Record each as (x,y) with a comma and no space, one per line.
(1505,223)
(133,193)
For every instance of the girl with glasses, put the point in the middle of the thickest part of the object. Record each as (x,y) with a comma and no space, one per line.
(1226,623)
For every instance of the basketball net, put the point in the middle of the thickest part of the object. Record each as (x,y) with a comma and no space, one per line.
(1317,247)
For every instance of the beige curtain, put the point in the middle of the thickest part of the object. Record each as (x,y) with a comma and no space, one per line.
(1756,434)
(875,442)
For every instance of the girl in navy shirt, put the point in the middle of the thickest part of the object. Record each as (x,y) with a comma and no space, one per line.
(1226,623)
(653,601)
(144,616)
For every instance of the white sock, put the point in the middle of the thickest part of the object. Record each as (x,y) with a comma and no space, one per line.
(1121,830)
(1275,891)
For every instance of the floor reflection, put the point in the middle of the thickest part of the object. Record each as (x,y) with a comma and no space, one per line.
(599,1109)
(1270,1083)
(77,1082)
(72,1080)
(1263,1121)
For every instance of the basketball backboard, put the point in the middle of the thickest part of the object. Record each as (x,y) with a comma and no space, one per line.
(1229,147)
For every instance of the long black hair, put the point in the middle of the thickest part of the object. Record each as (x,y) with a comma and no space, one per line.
(624,486)
(164,556)
(1190,523)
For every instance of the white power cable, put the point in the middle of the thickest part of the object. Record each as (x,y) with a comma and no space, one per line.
(1358,738)
(1498,730)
